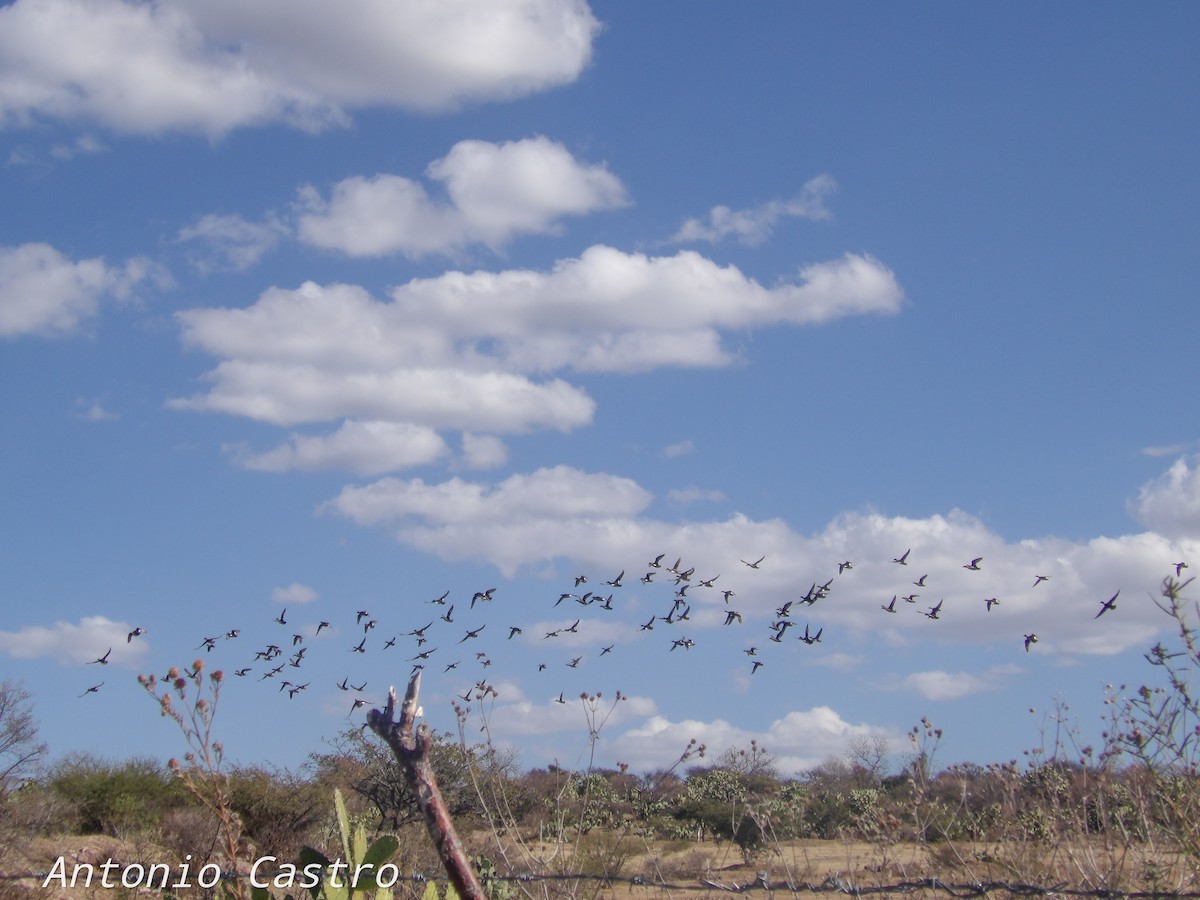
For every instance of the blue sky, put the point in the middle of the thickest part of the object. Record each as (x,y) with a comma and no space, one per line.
(342,312)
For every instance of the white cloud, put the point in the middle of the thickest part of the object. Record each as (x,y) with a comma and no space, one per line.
(233,243)
(94,410)
(597,521)
(84,145)
(44,293)
(74,644)
(364,448)
(678,449)
(496,192)
(1170,504)
(462,351)
(939,685)
(505,524)
(169,65)
(294,593)
(482,451)
(799,741)
(753,226)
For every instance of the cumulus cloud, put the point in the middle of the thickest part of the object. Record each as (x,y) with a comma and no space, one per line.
(1170,504)
(294,593)
(495,192)
(599,521)
(364,448)
(168,65)
(44,293)
(475,352)
(482,451)
(798,741)
(755,225)
(73,644)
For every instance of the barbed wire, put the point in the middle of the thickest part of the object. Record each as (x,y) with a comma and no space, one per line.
(833,884)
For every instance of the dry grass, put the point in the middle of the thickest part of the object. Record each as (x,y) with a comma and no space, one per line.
(703,866)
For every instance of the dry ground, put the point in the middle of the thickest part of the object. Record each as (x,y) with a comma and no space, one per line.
(671,868)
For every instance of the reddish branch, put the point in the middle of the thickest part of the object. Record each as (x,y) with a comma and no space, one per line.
(411,747)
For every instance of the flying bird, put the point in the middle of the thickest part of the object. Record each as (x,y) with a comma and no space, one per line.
(441,601)
(890,607)
(103,660)
(934,611)
(137,632)
(93,689)
(991,601)
(845,566)
(755,564)
(1030,639)
(1179,567)
(1110,603)
(616,582)
(902,559)
(920,582)
(282,617)
(1039,579)
(513,631)
(472,634)
(973,565)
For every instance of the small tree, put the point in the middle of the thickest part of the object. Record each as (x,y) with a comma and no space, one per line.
(20,750)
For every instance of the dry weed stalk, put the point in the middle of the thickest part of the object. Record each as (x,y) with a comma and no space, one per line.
(200,772)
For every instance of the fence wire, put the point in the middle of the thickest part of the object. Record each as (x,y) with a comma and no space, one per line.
(831,885)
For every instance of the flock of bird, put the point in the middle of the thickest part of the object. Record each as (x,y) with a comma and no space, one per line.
(448,640)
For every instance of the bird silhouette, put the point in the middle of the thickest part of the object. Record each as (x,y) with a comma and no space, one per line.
(935,611)
(990,602)
(973,565)
(93,689)
(1110,603)
(137,632)
(920,582)
(890,607)
(1179,567)
(902,559)
(1030,639)
(755,564)
(103,660)
(845,566)
(1038,579)
(282,617)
